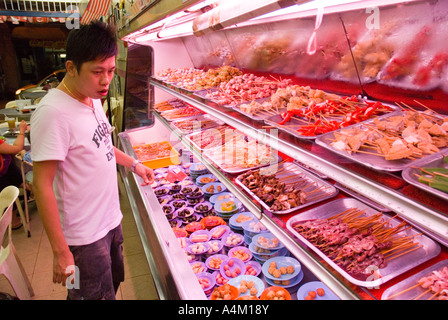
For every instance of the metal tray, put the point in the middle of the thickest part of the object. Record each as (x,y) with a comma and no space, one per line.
(203,93)
(205,117)
(275,120)
(410,282)
(164,114)
(369,160)
(260,116)
(433,160)
(238,169)
(216,135)
(295,122)
(394,267)
(362,198)
(313,171)
(289,169)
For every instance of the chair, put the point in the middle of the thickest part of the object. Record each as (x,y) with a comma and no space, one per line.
(37,100)
(26,168)
(11,104)
(10,265)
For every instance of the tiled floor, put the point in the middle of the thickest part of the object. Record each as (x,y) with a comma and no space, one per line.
(36,256)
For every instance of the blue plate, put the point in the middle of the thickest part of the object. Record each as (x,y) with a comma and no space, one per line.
(218,209)
(239,225)
(259,285)
(215,197)
(292,282)
(282,262)
(211,176)
(313,286)
(215,185)
(194,168)
(268,236)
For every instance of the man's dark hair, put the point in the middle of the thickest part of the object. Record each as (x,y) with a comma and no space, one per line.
(90,42)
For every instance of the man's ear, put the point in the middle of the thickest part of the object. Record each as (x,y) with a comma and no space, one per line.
(71,68)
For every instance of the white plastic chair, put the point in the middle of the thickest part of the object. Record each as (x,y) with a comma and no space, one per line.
(11,104)
(26,169)
(10,265)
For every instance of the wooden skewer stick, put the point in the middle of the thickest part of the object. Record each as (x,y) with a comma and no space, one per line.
(343,213)
(404,291)
(435,295)
(393,256)
(422,294)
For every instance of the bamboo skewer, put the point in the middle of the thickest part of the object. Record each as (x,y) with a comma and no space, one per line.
(435,295)
(392,256)
(402,292)
(422,294)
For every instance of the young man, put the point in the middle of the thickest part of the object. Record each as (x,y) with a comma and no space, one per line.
(74,166)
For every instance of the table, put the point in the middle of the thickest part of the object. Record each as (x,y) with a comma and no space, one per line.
(16,113)
(34,94)
(10,139)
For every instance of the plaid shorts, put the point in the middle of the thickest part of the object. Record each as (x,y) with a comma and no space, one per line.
(100,266)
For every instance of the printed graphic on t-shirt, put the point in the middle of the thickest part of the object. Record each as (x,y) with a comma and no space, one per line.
(102,135)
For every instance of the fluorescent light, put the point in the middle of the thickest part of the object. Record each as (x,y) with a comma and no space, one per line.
(181,23)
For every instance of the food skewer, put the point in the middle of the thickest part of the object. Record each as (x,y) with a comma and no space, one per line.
(389,242)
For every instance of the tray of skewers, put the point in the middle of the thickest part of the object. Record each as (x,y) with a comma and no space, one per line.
(285,187)
(367,247)
(179,113)
(259,109)
(392,142)
(430,283)
(315,120)
(213,137)
(429,174)
(242,153)
(202,122)
(244,88)
(311,120)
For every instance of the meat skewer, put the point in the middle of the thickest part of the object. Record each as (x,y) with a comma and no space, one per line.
(355,241)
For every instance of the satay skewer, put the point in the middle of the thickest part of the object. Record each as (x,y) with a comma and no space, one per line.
(393,256)
(435,295)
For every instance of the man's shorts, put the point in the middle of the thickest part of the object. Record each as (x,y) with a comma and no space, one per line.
(100,266)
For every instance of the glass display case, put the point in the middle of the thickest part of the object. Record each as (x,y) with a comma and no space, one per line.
(354,57)
(138,93)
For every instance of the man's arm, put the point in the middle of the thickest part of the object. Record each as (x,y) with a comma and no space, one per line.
(43,176)
(143,171)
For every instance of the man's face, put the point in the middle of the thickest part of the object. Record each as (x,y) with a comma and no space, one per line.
(94,77)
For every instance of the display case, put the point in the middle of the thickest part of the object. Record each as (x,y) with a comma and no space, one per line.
(340,50)
(138,93)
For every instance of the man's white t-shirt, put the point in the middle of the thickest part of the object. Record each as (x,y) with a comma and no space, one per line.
(85,185)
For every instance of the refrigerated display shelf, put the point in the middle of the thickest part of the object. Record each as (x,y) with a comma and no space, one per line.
(414,212)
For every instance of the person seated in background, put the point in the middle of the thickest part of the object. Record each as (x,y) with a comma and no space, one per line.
(51,83)
(10,175)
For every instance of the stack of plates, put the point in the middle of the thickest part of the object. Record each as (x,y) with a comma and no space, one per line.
(197,169)
(225,208)
(220,196)
(285,280)
(205,178)
(237,220)
(263,252)
(252,228)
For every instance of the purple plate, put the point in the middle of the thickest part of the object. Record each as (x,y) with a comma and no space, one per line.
(229,272)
